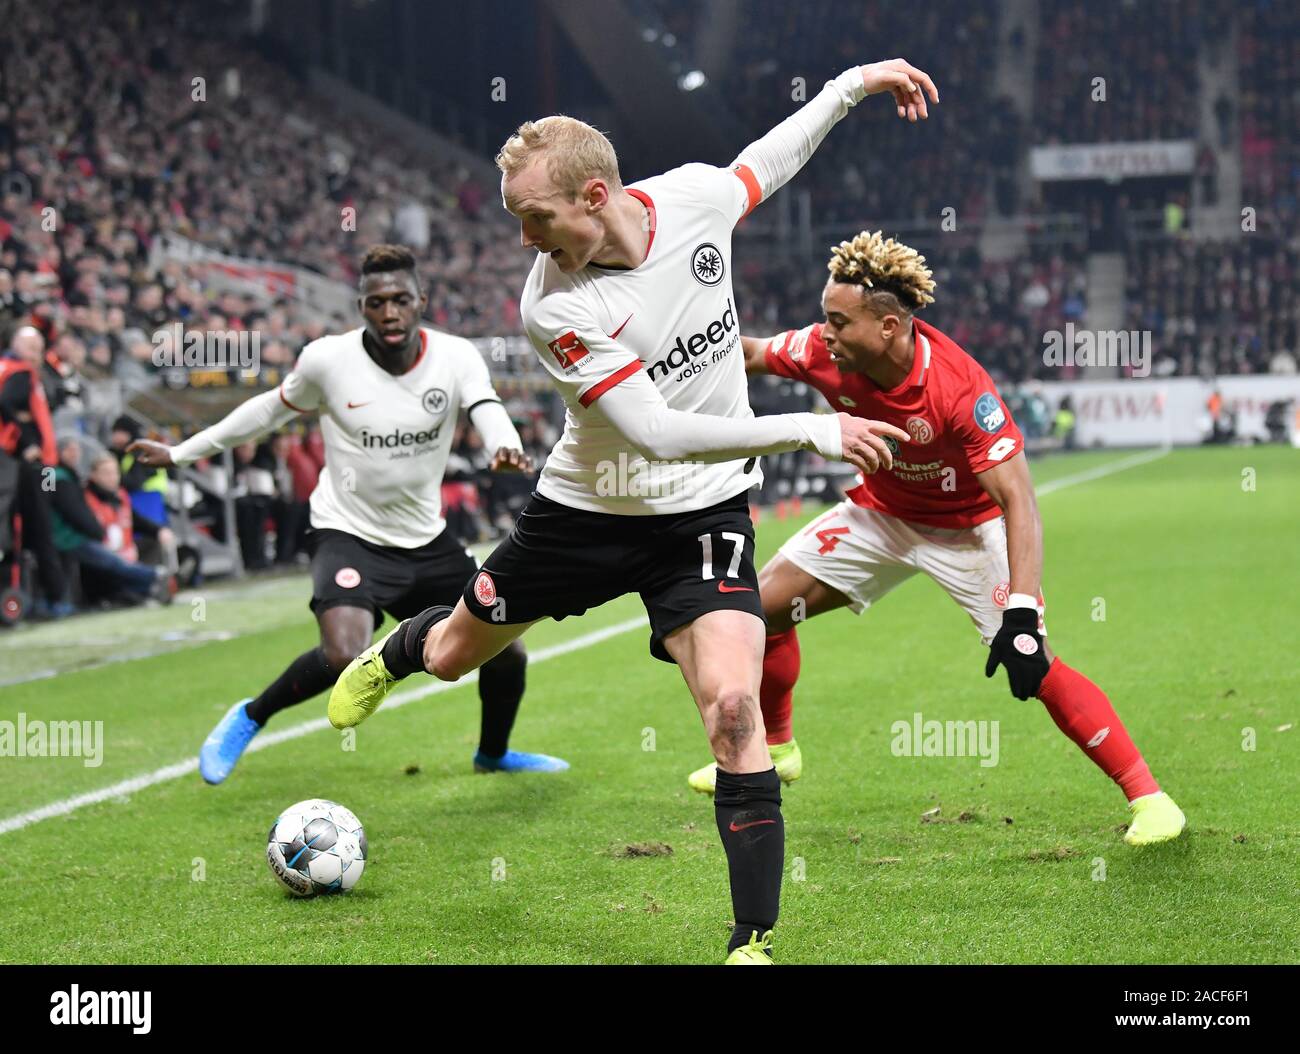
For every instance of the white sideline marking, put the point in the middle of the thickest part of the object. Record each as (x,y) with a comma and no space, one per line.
(1110,467)
(184,768)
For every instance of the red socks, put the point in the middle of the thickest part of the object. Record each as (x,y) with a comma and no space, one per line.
(776,696)
(1082,711)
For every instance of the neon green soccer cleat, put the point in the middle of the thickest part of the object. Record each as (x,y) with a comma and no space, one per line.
(362,686)
(1155,819)
(785,756)
(758,952)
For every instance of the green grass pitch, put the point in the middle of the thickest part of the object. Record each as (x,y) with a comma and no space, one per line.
(1194,556)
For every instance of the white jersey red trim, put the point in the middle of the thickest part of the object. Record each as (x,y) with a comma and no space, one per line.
(674,316)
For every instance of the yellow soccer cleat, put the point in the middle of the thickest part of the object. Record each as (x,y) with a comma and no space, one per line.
(758,952)
(1155,819)
(362,686)
(787,758)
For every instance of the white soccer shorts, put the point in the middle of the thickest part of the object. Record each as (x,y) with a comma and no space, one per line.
(864,554)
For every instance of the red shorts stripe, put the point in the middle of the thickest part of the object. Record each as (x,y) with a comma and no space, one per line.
(601,387)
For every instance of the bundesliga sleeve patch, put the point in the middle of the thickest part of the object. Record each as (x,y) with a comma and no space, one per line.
(988,413)
(569,350)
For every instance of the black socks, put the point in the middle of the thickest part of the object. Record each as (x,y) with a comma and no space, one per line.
(500,687)
(404,650)
(748,811)
(309,674)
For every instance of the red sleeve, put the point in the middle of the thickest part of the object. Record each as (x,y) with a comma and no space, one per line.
(983,425)
(796,353)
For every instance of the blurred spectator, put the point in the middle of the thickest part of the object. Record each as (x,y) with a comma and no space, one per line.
(27,434)
(254,493)
(295,476)
(97,530)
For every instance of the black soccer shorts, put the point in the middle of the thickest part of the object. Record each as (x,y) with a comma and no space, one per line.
(560,561)
(349,571)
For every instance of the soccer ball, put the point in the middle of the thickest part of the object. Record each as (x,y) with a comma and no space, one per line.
(316,846)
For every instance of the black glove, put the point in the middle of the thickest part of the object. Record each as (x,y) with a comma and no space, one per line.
(1019,647)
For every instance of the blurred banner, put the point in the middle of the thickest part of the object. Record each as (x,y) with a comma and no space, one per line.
(1113,161)
(1176,411)
(264,280)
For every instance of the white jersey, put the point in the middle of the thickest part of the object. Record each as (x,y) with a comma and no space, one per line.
(673,315)
(386,437)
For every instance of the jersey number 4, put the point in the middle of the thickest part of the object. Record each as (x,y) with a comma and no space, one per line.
(737,551)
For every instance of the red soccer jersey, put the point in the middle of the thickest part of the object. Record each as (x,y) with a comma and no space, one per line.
(948,405)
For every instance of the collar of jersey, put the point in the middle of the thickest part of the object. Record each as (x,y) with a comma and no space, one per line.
(424,346)
(920,363)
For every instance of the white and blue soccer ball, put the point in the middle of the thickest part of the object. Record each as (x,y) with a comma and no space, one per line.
(316,846)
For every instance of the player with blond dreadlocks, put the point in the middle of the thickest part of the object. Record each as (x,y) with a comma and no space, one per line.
(958,505)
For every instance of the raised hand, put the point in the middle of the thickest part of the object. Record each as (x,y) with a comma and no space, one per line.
(905,82)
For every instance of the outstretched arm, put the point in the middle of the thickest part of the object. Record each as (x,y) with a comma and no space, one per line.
(775,159)
(638,411)
(250,420)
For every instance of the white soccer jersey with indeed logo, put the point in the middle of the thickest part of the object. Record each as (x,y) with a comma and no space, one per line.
(386,437)
(673,315)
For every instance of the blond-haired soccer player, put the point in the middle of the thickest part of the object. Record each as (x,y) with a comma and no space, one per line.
(629,308)
(957,504)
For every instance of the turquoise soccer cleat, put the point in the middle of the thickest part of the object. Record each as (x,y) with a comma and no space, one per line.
(519,761)
(226,743)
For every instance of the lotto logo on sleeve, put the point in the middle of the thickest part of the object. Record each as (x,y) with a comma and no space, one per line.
(988,413)
(485,590)
(569,350)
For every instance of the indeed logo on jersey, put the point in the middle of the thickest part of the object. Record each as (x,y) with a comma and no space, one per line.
(988,413)
(397,438)
(717,339)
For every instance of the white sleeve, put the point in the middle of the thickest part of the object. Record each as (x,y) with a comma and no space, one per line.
(494,426)
(638,411)
(777,157)
(261,414)
(475,381)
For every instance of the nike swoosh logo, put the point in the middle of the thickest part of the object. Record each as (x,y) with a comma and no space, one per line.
(724,588)
(353,406)
(614,335)
(744,826)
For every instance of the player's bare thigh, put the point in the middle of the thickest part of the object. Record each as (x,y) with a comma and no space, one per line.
(461,643)
(791,595)
(721,658)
